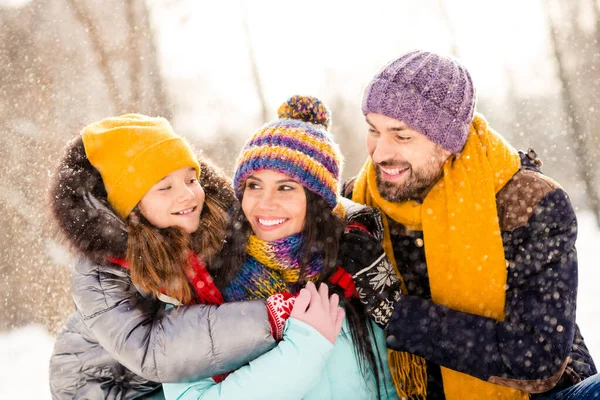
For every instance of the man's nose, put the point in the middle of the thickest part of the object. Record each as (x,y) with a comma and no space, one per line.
(384,150)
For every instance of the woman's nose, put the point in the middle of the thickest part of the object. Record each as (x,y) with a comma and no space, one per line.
(267,201)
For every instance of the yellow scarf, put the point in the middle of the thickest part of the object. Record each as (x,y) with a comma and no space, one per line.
(463,249)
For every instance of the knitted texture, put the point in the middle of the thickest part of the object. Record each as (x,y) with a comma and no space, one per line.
(202,281)
(305,108)
(431,93)
(297,144)
(204,287)
(279,308)
(271,267)
(133,152)
(466,272)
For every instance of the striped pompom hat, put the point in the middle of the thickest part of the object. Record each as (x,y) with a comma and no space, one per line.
(297,144)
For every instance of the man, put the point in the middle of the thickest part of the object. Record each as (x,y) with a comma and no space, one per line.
(483,245)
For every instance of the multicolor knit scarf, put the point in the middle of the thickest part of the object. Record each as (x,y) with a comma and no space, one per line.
(271,267)
(465,255)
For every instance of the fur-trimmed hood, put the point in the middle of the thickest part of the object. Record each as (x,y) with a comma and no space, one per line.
(78,203)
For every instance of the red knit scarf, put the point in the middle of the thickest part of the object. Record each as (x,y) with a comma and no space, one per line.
(199,277)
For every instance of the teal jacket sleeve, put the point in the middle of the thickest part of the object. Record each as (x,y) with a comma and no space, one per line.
(288,371)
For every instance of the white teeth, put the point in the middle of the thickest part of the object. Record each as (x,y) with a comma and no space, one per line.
(395,171)
(271,222)
(184,212)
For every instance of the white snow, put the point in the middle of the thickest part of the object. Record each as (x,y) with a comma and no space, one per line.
(25,351)
(14,3)
(588,296)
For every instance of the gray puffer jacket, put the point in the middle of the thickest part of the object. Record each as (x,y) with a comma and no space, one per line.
(120,343)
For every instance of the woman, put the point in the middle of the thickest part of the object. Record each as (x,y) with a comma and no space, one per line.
(286,231)
(145,216)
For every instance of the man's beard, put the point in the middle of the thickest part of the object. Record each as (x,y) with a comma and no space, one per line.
(412,188)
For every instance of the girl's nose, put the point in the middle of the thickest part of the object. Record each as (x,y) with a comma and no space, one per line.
(185,194)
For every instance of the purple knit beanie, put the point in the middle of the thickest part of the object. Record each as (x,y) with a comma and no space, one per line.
(433,94)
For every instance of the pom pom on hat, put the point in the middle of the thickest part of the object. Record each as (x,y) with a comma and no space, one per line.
(299,145)
(305,108)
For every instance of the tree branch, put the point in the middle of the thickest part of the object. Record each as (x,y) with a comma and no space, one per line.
(94,36)
(254,67)
(134,51)
(577,132)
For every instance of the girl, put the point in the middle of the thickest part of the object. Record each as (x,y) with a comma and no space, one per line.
(286,231)
(145,215)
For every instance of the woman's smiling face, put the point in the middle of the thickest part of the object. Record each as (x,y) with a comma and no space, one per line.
(274,204)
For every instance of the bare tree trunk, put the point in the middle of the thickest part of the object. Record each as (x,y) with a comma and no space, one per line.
(253,65)
(160,94)
(52,108)
(85,19)
(449,27)
(134,58)
(584,164)
(596,9)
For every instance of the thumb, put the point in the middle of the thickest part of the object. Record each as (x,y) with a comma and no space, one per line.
(301,303)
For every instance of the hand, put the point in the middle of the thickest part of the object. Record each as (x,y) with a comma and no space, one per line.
(377,284)
(279,307)
(319,310)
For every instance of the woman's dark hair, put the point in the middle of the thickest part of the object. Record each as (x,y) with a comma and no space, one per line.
(321,233)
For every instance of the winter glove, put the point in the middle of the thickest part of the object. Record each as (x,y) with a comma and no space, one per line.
(376,282)
(279,307)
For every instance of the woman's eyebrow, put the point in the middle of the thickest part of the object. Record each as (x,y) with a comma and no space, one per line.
(286,180)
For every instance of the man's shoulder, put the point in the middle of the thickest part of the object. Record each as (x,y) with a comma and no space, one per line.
(518,199)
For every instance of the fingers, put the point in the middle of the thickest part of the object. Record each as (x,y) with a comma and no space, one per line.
(324,293)
(301,303)
(334,301)
(315,297)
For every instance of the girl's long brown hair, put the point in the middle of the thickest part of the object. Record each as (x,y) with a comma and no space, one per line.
(158,258)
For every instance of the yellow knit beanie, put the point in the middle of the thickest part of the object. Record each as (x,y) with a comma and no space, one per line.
(133,152)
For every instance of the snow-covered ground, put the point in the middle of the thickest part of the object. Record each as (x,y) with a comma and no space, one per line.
(24,368)
(25,351)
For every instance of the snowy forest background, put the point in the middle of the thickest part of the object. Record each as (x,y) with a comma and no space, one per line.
(218,70)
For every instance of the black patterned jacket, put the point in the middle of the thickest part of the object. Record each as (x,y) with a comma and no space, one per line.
(538,347)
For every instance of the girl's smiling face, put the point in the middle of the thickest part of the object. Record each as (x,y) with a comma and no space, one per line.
(176,200)
(274,204)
